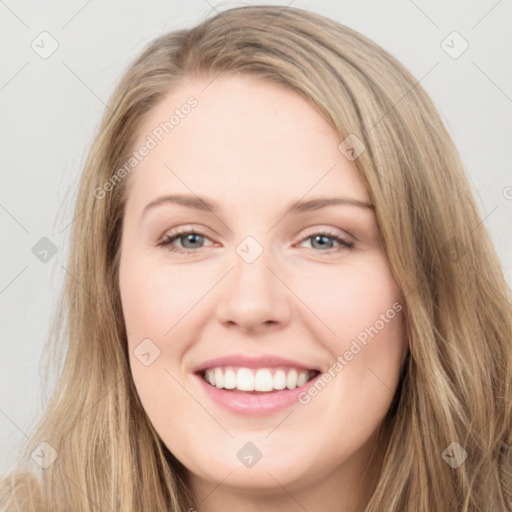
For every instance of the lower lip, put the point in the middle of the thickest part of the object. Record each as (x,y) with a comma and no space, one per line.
(249,404)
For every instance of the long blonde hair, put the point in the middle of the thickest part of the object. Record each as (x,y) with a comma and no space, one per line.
(456,384)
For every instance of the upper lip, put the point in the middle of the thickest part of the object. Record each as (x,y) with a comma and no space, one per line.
(266,361)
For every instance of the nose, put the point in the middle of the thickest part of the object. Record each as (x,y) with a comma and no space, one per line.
(254,297)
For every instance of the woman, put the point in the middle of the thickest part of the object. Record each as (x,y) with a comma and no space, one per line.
(260,370)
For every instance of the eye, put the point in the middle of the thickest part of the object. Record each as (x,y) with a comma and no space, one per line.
(192,238)
(321,240)
(189,236)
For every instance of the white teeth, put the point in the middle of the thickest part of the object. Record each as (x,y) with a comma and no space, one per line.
(229,379)
(301,380)
(244,379)
(263,379)
(291,379)
(218,378)
(279,379)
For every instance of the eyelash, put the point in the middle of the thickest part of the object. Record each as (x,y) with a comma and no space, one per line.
(169,239)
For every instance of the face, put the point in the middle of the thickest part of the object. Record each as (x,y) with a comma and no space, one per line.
(246,289)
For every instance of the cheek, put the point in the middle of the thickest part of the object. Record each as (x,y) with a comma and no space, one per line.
(350,298)
(361,305)
(160,305)
(156,298)
(155,302)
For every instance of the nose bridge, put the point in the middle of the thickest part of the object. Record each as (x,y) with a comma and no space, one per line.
(252,280)
(251,265)
(253,295)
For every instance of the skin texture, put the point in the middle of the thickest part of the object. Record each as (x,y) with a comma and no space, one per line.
(254,147)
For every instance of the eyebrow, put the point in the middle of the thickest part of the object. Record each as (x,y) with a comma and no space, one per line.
(201,203)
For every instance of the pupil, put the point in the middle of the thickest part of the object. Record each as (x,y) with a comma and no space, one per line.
(318,237)
(191,237)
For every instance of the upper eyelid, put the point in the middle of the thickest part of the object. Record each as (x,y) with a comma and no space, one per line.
(184,230)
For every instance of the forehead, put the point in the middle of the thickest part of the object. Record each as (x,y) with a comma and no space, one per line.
(243,138)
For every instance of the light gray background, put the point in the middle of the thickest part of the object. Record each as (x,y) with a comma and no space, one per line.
(51,108)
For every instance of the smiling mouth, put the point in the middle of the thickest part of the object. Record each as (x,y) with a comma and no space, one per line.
(260,381)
